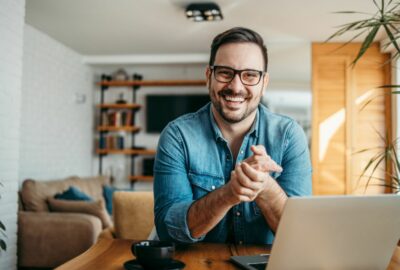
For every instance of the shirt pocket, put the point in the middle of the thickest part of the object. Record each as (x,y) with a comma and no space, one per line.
(202,183)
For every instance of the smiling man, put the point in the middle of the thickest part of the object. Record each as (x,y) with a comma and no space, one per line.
(224,173)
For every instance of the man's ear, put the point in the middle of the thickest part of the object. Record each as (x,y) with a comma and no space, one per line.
(265,82)
(208,76)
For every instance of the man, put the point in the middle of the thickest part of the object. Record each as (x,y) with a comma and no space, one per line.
(223,173)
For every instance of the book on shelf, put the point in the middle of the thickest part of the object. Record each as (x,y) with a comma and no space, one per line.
(112,142)
(116,118)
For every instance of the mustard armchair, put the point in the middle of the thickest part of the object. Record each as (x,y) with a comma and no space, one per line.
(133,215)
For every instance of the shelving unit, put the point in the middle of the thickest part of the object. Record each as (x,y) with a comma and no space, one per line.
(104,128)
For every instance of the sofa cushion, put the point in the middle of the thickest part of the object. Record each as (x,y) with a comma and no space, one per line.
(34,193)
(73,194)
(95,208)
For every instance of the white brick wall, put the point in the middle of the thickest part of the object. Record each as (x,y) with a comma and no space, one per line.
(12,13)
(56,130)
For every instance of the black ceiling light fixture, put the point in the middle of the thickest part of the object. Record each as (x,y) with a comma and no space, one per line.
(200,12)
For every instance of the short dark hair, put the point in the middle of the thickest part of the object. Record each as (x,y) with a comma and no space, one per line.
(237,35)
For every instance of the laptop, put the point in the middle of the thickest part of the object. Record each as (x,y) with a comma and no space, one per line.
(332,232)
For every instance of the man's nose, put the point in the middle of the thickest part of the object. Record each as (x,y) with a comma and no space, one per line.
(236,83)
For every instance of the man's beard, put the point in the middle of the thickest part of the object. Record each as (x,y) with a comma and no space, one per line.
(229,92)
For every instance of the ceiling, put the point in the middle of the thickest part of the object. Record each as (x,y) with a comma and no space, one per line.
(106,27)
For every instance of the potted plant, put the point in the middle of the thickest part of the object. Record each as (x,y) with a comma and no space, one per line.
(386,19)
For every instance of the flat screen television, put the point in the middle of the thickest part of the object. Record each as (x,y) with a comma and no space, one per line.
(161,109)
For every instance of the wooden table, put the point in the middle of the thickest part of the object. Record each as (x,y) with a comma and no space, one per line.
(110,254)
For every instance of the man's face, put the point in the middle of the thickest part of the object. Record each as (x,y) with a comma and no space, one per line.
(235,101)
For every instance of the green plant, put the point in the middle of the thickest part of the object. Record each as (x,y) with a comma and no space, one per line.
(386,18)
(386,155)
(3,244)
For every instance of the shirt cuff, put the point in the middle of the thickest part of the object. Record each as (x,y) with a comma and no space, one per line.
(176,223)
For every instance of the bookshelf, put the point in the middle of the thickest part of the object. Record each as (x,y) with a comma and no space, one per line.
(119,118)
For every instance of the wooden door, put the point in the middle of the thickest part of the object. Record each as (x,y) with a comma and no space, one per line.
(342,123)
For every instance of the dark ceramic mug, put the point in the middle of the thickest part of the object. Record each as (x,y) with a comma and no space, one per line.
(153,254)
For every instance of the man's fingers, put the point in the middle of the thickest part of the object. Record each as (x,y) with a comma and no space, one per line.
(244,180)
(274,166)
(258,149)
(252,173)
(238,187)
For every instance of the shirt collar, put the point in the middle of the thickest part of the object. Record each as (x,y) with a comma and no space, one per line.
(217,132)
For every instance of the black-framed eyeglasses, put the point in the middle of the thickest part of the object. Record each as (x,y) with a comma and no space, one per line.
(249,77)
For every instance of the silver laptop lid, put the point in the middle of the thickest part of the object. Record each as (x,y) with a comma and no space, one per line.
(337,232)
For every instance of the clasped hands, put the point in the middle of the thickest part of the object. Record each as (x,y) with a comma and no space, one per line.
(251,176)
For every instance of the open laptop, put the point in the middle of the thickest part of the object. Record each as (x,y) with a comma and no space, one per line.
(332,232)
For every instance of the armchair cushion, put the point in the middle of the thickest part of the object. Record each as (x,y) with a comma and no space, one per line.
(95,208)
(133,214)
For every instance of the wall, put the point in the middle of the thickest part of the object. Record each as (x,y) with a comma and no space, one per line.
(12,13)
(57,110)
(288,97)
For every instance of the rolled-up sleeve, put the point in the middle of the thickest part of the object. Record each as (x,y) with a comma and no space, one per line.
(173,194)
(296,163)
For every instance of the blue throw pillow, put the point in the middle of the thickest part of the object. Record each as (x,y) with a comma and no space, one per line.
(73,194)
(108,192)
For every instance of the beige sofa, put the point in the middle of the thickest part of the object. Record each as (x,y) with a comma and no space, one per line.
(48,239)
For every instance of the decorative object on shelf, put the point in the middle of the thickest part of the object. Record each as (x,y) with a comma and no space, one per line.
(120,75)
(3,244)
(199,12)
(121,99)
(137,77)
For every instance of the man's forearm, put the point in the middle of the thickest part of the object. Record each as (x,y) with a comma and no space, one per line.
(272,202)
(205,213)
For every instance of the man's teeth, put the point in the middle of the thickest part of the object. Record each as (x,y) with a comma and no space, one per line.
(234,99)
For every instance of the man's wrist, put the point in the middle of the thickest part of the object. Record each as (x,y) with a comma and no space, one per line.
(227,196)
(268,190)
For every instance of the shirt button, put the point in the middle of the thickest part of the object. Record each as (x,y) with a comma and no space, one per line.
(241,152)
(238,213)
(240,242)
(212,187)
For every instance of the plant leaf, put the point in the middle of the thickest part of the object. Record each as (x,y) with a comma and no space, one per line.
(367,43)
(3,245)
(348,12)
(392,39)
(390,86)
(373,171)
(345,28)
(2,227)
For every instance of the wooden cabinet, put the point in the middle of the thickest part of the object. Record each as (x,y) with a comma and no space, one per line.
(119,117)
(349,113)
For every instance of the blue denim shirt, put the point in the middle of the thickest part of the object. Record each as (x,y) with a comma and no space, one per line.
(193,159)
